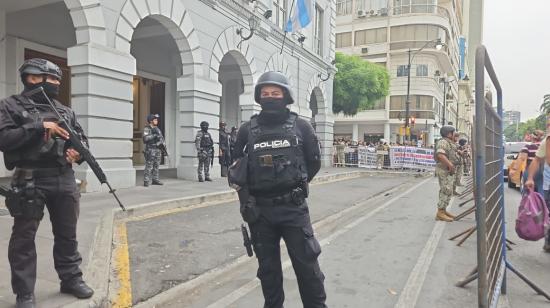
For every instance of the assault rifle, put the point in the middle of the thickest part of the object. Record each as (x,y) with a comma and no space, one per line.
(77,144)
(162,143)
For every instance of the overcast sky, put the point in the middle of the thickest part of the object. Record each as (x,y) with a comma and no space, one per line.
(517,35)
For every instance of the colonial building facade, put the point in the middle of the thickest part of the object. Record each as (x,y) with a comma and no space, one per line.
(435,33)
(187,60)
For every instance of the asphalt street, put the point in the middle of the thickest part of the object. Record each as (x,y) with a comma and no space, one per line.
(185,245)
(388,251)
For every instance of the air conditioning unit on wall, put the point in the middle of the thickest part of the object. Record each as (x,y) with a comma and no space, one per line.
(361,14)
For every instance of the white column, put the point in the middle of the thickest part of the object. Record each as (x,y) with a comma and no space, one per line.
(3,54)
(198,101)
(324,123)
(102,97)
(355,132)
(387,131)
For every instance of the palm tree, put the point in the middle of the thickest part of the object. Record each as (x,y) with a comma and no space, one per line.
(545,109)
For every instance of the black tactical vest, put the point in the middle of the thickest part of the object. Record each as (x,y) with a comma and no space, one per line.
(206,141)
(276,163)
(42,153)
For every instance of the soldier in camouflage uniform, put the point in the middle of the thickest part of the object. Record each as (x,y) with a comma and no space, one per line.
(461,153)
(380,155)
(446,158)
(205,151)
(152,138)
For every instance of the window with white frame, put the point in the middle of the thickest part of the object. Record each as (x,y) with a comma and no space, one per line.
(370,36)
(343,39)
(422,70)
(414,6)
(378,7)
(280,11)
(318,31)
(343,7)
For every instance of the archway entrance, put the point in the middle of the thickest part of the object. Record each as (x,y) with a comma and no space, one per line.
(158,64)
(23,36)
(231,77)
(315,101)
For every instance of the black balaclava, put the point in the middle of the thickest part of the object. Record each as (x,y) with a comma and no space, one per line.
(52,90)
(273,110)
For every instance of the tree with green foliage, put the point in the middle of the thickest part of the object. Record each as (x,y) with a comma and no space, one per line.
(358,84)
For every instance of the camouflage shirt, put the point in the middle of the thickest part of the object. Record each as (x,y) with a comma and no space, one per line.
(448,148)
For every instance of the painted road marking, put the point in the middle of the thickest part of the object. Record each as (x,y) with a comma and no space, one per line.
(251,285)
(413,286)
(123,297)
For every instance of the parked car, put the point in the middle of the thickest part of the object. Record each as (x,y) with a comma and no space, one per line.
(511,151)
(517,168)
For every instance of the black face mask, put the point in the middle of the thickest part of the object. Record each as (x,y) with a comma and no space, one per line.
(273,105)
(52,90)
(204,128)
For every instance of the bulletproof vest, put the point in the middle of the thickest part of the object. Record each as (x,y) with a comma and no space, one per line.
(42,153)
(276,162)
(206,141)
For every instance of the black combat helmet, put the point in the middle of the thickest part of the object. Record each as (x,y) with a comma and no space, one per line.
(274,79)
(462,142)
(204,124)
(37,66)
(152,116)
(446,130)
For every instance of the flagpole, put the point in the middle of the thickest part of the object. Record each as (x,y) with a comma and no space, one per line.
(289,17)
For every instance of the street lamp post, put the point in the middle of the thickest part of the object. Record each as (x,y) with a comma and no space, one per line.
(445,85)
(438,46)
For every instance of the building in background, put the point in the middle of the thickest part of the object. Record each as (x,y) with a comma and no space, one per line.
(511,118)
(188,61)
(383,32)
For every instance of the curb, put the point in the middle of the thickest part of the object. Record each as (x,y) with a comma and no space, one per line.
(98,270)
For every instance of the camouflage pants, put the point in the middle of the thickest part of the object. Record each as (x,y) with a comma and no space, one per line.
(204,163)
(446,186)
(152,162)
(458,174)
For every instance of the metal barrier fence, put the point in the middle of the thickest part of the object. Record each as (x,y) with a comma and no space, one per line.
(489,190)
(489,184)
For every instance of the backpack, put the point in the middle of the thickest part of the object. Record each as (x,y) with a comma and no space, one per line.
(532,220)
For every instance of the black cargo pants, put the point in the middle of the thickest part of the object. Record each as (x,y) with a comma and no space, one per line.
(62,201)
(292,223)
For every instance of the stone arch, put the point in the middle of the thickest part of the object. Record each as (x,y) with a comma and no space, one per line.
(88,21)
(229,42)
(277,62)
(317,87)
(172,15)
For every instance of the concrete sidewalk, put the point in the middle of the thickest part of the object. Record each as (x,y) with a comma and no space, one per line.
(93,208)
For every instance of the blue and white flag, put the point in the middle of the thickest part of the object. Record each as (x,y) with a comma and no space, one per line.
(301,16)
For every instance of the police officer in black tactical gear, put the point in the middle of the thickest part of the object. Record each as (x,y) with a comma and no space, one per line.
(225,152)
(38,149)
(153,139)
(283,157)
(205,151)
